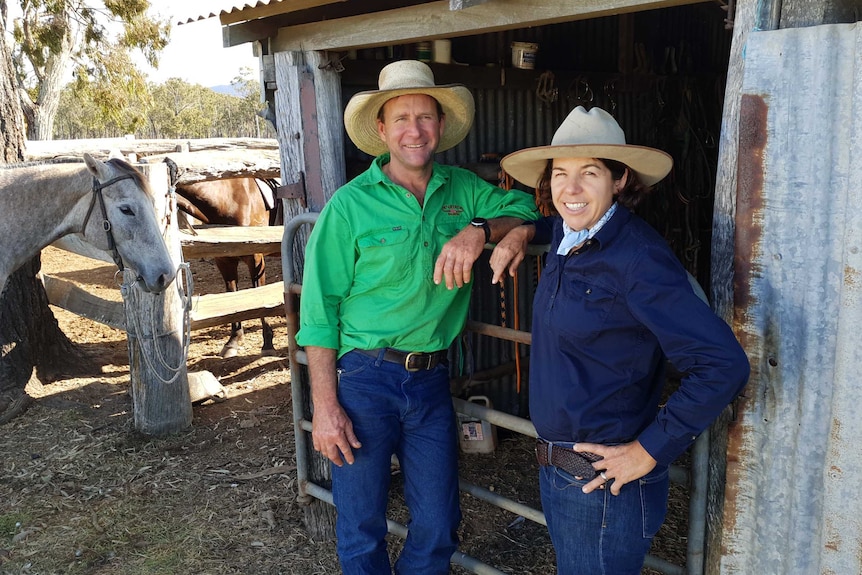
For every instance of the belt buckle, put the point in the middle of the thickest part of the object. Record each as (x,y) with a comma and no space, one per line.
(412,355)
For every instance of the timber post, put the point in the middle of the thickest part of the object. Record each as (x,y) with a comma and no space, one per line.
(310,135)
(161,403)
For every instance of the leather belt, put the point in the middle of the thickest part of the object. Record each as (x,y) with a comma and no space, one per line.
(577,463)
(410,360)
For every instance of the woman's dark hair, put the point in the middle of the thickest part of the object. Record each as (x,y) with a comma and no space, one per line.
(632,194)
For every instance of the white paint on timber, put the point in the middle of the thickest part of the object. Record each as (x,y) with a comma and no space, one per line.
(436,20)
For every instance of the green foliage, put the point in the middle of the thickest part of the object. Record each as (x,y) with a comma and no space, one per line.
(97,38)
(173,109)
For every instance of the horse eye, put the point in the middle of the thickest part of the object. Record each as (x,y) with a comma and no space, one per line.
(127,211)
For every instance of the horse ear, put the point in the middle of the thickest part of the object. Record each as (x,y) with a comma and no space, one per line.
(96,167)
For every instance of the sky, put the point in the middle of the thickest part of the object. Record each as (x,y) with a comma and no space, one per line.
(195,53)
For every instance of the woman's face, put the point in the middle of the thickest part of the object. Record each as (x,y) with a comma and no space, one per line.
(582,190)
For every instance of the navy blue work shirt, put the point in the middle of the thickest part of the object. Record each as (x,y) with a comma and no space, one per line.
(605,318)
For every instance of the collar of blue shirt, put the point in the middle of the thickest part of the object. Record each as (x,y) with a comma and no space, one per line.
(572,238)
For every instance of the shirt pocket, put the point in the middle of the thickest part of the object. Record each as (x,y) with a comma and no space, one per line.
(449,229)
(384,256)
(582,310)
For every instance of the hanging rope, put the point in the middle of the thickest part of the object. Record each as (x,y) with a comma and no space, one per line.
(155,358)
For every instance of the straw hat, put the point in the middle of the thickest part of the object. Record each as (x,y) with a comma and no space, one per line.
(397,79)
(593,134)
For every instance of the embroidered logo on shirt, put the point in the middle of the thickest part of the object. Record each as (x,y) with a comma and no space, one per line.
(453,209)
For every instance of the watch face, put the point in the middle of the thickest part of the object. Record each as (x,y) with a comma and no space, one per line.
(478,222)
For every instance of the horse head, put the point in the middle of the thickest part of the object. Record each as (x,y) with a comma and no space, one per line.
(121,220)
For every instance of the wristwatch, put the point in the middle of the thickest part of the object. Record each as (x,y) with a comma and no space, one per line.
(482,223)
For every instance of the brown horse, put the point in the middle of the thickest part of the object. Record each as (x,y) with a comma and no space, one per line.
(236,202)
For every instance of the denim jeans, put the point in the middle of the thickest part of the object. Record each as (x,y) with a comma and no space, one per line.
(409,414)
(599,533)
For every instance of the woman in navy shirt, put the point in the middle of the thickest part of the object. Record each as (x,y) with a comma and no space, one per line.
(613,305)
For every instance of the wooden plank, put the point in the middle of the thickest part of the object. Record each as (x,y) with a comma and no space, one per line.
(216,241)
(209,165)
(102,147)
(221,308)
(207,310)
(435,20)
(67,295)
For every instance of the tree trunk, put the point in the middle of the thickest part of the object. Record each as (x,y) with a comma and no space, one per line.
(11,121)
(41,113)
(30,338)
(29,334)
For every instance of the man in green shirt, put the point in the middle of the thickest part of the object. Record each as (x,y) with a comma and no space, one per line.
(386,290)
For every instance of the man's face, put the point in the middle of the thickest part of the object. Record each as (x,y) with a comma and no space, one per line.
(411,129)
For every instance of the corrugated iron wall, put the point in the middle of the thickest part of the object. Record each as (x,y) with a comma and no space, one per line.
(794,461)
(671,100)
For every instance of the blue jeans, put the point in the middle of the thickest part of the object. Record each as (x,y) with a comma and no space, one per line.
(409,414)
(599,533)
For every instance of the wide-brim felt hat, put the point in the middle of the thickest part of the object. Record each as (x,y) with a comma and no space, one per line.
(593,134)
(398,79)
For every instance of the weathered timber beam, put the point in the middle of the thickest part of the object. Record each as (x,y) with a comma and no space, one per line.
(102,147)
(67,295)
(218,165)
(435,20)
(217,241)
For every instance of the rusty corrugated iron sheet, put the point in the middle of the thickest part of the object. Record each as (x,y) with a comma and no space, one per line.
(794,462)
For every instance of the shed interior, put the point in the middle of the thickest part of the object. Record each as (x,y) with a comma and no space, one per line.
(661,73)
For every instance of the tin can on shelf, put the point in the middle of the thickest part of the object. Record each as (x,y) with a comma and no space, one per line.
(524,55)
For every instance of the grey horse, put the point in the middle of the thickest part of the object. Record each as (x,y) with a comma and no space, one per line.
(106,204)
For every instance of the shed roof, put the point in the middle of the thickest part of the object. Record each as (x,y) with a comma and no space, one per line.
(233,11)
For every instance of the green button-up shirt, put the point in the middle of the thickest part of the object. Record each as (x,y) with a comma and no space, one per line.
(369,265)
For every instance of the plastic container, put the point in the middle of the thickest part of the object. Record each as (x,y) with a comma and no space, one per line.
(524,55)
(423,51)
(477,435)
(443,51)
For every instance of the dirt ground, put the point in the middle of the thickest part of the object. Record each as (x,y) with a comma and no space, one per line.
(82,493)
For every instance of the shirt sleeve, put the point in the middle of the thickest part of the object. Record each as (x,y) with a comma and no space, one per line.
(699,344)
(493,202)
(544,230)
(328,275)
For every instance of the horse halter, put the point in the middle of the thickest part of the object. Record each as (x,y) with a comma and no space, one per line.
(106,224)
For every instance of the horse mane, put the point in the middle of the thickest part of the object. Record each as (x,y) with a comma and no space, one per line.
(127,168)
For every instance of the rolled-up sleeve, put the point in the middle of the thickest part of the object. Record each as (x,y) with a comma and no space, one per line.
(329,265)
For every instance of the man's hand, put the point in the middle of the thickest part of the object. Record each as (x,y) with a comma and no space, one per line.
(331,429)
(456,259)
(621,464)
(510,251)
(332,433)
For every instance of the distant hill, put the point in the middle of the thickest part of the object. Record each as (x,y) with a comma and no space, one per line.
(225,89)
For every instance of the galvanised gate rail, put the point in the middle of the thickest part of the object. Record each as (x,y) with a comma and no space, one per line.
(696,478)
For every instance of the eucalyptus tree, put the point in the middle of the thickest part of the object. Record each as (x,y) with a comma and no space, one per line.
(89,39)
